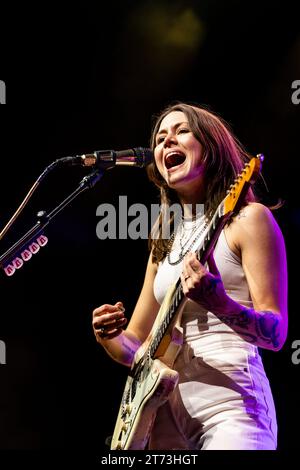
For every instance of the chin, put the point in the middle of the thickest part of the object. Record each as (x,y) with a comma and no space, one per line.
(176,184)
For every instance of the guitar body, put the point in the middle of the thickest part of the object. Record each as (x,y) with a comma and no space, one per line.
(149,384)
(132,432)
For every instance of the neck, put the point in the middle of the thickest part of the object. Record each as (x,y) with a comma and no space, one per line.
(192,203)
(192,211)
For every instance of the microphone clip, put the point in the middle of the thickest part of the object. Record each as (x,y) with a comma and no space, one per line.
(107,160)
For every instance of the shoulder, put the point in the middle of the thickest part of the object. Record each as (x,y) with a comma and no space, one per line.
(255,216)
(254,222)
(254,213)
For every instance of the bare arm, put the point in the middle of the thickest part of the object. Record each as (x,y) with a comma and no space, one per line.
(258,239)
(121,344)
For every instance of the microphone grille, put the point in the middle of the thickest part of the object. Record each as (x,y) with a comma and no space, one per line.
(144,156)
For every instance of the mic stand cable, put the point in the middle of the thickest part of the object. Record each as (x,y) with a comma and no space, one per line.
(29,195)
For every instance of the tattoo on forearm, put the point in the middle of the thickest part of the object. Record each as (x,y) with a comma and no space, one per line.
(242,319)
(265,325)
(212,286)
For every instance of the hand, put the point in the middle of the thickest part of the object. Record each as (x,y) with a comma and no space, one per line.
(203,286)
(108,321)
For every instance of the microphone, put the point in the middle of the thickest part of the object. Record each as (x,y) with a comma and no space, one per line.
(105,159)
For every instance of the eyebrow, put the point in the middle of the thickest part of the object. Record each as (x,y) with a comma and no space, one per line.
(175,126)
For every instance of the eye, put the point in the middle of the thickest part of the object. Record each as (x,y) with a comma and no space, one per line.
(160,139)
(183,130)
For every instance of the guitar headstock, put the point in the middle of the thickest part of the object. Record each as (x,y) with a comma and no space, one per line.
(241,184)
(25,254)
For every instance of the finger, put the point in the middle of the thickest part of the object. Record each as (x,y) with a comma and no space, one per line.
(186,269)
(113,334)
(109,327)
(120,305)
(103,331)
(184,278)
(187,272)
(185,263)
(115,324)
(184,272)
(103,309)
(212,265)
(107,308)
(107,319)
(195,267)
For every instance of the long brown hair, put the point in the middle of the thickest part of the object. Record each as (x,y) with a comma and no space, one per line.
(223,157)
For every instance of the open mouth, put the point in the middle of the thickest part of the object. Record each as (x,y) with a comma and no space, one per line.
(174,159)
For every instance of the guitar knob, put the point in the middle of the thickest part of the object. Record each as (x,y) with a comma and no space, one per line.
(124,427)
(128,409)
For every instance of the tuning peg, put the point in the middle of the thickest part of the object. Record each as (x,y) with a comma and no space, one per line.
(25,255)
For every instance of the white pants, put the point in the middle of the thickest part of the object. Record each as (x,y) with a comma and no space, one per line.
(223,402)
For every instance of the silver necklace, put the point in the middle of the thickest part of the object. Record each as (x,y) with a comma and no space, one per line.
(183,249)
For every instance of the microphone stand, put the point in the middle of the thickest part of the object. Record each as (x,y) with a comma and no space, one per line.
(30,238)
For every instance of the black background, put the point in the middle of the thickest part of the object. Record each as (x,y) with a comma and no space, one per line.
(82,79)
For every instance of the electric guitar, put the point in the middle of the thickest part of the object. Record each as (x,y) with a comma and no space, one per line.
(151,378)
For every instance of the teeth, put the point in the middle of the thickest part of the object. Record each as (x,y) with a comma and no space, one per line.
(174,153)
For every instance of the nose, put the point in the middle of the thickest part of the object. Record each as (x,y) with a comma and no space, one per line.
(170,139)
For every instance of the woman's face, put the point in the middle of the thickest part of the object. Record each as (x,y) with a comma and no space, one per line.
(177,153)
